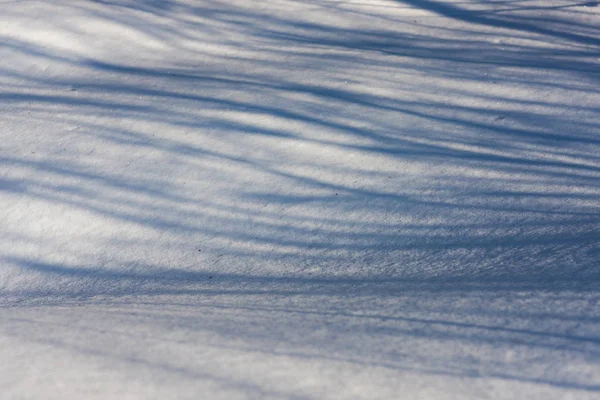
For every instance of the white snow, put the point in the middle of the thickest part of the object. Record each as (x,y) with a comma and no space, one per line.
(287,199)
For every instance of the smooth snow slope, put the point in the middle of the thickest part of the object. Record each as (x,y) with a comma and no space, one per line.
(299,199)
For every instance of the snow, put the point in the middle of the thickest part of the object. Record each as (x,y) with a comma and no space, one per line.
(299,199)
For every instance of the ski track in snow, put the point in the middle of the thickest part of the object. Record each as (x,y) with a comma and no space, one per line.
(299,199)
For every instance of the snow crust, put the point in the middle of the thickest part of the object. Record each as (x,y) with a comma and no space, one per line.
(299,199)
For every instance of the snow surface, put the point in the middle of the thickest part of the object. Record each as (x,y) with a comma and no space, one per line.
(299,199)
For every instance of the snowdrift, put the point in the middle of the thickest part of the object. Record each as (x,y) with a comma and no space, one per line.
(289,199)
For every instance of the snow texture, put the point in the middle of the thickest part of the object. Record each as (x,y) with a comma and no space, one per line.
(286,199)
